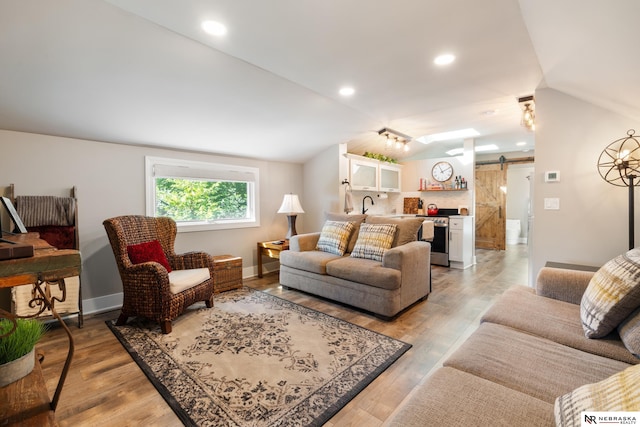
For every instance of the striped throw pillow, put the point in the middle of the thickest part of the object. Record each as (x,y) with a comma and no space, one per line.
(619,393)
(629,330)
(613,293)
(334,237)
(374,240)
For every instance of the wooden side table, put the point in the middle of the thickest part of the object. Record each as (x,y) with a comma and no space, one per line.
(26,401)
(270,249)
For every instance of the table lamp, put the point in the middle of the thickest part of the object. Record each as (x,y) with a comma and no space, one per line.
(291,206)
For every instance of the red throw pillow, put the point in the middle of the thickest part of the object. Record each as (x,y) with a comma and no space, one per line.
(148,251)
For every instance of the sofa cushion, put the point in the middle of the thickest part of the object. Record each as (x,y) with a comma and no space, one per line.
(312,261)
(532,365)
(619,393)
(373,241)
(629,331)
(355,219)
(520,308)
(148,251)
(334,237)
(613,293)
(365,271)
(450,397)
(407,228)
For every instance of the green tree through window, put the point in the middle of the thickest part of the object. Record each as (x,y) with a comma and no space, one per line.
(189,200)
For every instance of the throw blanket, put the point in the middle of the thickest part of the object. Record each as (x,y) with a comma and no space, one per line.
(46,210)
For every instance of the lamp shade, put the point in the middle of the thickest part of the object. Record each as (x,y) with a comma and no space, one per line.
(291,205)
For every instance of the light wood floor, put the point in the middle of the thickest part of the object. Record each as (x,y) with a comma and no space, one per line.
(105,387)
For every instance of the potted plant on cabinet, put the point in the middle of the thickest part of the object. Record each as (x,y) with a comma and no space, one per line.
(17,349)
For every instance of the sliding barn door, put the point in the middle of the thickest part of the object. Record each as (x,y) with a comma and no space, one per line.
(491,201)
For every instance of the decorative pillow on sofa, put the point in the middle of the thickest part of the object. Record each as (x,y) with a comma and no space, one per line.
(629,331)
(373,241)
(407,228)
(148,251)
(356,219)
(619,392)
(334,237)
(613,293)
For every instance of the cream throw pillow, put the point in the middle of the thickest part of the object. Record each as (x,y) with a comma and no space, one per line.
(373,241)
(356,219)
(334,237)
(613,293)
(619,392)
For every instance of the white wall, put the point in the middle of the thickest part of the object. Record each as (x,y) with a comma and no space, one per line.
(518,197)
(322,177)
(462,165)
(110,182)
(591,225)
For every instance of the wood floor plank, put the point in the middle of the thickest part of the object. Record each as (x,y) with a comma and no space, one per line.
(105,387)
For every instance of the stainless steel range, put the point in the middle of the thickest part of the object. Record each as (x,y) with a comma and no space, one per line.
(440,242)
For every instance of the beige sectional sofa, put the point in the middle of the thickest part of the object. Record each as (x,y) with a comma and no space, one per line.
(385,287)
(529,350)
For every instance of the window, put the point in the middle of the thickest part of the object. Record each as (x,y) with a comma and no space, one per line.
(202,196)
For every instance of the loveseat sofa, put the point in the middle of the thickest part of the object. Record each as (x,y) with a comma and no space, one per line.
(384,287)
(530,353)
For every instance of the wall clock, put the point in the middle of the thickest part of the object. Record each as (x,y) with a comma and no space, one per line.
(442,171)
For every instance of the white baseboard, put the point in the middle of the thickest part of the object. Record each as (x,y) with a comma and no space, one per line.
(114,301)
(102,304)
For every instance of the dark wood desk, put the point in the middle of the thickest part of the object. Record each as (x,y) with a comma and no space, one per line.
(270,249)
(26,402)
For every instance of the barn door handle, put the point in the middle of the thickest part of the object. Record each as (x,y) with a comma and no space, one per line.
(500,212)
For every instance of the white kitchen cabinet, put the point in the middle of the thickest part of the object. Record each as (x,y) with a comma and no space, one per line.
(461,241)
(372,175)
(390,178)
(364,174)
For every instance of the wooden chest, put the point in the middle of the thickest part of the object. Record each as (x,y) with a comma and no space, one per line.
(227,273)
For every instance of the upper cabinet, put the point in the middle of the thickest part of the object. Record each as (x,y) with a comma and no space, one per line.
(372,175)
(390,178)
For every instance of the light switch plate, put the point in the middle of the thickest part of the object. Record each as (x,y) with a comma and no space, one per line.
(552,203)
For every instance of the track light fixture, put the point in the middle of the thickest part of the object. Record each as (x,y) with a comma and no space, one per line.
(395,139)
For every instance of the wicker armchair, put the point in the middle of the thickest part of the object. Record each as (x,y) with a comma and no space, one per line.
(148,286)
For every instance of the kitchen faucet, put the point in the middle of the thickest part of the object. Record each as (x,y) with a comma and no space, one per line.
(363,199)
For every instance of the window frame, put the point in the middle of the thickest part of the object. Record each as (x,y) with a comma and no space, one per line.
(197,168)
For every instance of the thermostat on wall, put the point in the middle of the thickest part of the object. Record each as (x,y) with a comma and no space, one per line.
(552,176)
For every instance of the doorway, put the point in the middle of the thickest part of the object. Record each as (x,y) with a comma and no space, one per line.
(491,204)
(502,202)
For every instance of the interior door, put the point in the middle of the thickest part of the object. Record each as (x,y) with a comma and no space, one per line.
(491,201)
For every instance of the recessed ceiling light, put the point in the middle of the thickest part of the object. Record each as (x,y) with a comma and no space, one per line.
(446,136)
(490,112)
(445,59)
(521,143)
(347,91)
(214,28)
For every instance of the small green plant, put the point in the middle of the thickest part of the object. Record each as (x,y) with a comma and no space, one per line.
(380,157)
(21,341)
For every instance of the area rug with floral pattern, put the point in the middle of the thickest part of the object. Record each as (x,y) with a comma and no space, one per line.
(257,360)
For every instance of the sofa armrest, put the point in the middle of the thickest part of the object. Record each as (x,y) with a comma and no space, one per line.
(563,284)
(304,242)
(408,255)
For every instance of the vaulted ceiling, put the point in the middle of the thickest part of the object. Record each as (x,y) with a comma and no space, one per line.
(144,72)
